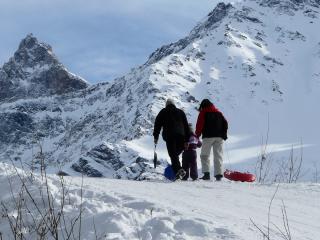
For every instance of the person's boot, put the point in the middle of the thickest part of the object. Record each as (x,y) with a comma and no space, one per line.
(218,177)
(206,176)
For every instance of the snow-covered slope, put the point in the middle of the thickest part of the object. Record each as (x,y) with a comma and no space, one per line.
(120,209)
(257,61)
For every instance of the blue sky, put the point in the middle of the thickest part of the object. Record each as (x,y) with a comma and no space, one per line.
(99,39)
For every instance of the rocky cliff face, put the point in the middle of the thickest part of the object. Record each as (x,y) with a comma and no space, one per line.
(80,130)
(249,58)
(34,71)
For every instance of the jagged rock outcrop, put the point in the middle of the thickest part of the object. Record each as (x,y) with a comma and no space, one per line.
(35,71)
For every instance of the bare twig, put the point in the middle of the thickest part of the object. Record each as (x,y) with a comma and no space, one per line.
(260,230)
(81,202)
(49,221)
(269,210)
(285,234)
(95,230)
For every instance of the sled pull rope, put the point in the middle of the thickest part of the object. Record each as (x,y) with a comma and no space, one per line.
(228,159)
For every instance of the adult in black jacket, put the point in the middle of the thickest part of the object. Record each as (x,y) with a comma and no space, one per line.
(174,125)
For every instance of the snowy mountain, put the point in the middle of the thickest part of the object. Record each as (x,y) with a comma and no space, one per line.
(257,61)
(34,71)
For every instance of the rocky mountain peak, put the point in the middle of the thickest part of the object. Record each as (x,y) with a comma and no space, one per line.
(35,71)
(219,12)
(223,10)
(31,52)
(30,42)
(214,17)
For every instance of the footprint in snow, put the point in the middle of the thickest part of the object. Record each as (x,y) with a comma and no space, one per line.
(124,217)
(223,233)
(140,206)
(191,227)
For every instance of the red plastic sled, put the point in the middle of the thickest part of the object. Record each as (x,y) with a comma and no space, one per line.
(239,176)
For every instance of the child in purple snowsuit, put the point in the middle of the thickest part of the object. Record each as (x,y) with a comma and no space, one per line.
(189,156)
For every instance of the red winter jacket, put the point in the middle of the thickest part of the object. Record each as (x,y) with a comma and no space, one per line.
(211,123)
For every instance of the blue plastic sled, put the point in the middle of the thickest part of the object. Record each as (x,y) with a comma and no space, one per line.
(169,173)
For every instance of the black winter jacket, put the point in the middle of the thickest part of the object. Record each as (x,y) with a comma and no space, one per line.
(174,123)
(211,123)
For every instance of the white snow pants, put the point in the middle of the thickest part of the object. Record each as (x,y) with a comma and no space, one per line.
(216,144)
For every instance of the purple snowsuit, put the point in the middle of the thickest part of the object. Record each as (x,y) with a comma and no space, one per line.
(189,157)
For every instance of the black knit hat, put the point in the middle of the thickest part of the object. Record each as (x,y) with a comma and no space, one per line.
(205,103)
(169,102)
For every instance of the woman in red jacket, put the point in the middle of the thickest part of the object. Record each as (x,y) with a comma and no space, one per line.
(213,127)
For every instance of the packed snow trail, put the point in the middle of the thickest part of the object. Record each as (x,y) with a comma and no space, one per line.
(198,210)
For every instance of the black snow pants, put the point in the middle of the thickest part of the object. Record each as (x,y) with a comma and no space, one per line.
(189,163)
(175,147)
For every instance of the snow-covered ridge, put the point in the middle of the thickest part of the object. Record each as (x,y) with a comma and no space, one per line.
(249,58)
(223,10)
(214,17)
